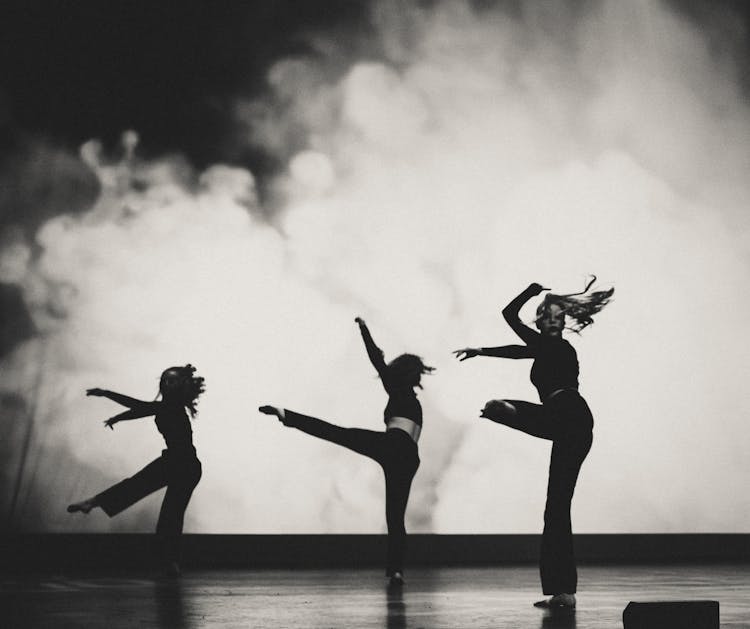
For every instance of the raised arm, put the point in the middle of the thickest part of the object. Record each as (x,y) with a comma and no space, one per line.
(510,314)
(506,351)
(124,400)
(374,353)
(132,414)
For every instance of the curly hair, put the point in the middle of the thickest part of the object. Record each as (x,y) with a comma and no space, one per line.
(579,307)
(188,386)
(407,366)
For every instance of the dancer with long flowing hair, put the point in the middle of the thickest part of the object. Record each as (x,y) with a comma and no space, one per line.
(395,449)
(178,467)
(563,417)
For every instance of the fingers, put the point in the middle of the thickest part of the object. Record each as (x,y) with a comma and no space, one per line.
(464,354)
(268,410)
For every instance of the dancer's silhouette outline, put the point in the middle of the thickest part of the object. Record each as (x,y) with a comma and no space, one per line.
(563,417)
(395,449)
(178,467)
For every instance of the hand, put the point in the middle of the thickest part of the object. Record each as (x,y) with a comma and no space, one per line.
(110,423)
(536,289)
(96,392)
(359,321)
(468,352)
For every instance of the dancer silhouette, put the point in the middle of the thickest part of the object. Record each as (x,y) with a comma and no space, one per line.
(178,467)
(395,449)
(563,417)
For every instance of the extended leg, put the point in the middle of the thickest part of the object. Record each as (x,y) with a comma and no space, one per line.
(367,442)
(533,419)
(129,491)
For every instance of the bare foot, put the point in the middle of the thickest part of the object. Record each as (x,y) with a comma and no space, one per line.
(558,601)
(274,410)
(271,410)
(84,506)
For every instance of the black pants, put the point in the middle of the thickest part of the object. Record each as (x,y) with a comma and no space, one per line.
(180,472)
(396,453)
(566,420)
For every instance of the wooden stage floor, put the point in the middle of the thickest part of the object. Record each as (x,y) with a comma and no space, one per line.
(433,598)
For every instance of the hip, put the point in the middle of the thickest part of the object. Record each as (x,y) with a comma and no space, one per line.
(570,407)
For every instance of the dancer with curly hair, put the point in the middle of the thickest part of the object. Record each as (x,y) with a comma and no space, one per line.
(563,417)
(395,449)
(178,467)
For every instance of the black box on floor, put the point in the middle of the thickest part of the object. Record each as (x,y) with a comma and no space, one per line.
(672,615)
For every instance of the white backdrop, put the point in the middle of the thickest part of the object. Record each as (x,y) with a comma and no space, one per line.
(476,153)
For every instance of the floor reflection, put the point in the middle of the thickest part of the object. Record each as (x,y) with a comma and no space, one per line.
(395,608)
(462,598)
(170,604)
(559,619)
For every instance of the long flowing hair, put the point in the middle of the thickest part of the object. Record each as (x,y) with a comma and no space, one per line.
(578,307)
(189,386)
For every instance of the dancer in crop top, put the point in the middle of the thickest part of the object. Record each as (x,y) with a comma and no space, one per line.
(178,467)
(395,449)
(563,417)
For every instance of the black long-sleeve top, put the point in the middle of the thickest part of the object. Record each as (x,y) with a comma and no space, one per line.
(555,360)
(173,423)
(402,399)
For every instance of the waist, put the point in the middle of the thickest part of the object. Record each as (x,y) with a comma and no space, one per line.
(187,450)
(409,426)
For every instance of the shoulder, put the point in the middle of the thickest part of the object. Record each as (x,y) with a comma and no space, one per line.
(167,409)
(566,347)
(557,345)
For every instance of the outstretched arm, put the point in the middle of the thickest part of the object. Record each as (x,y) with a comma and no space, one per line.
(130,414)
(125,400)
(506,351)
(373,351)
(510,314)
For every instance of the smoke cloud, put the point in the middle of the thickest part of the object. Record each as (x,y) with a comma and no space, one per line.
(471,151)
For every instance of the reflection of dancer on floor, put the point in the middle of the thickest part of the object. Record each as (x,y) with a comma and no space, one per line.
(563,417)
(395,449)
(177,468)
